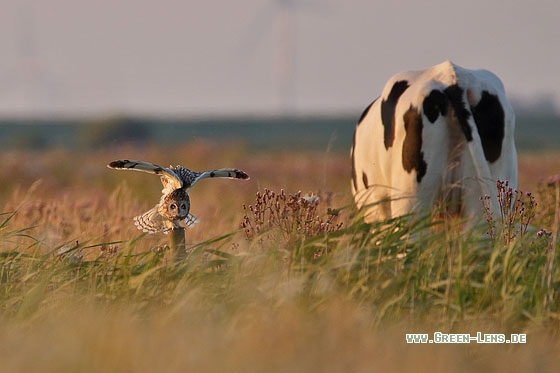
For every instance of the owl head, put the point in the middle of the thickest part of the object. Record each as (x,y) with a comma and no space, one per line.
(175,205)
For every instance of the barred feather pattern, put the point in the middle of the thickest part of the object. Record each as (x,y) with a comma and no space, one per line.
(152,222)
(189,178)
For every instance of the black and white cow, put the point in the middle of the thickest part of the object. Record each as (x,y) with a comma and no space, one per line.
(439,137)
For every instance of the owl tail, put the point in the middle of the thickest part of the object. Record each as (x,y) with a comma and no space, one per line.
(191,220)
(152,222)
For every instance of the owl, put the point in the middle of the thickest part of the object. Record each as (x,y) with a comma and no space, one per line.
(174,205)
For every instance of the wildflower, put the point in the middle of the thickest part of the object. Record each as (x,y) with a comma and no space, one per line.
(294,215)
(543,232)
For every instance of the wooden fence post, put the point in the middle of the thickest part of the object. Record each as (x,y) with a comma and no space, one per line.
(177,243)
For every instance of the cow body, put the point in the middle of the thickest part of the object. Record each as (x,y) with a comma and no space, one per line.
(436,137)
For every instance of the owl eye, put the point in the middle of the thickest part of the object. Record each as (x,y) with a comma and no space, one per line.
(183,206)
(173,206)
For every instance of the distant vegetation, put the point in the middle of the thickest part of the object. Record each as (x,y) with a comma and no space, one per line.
(533,132)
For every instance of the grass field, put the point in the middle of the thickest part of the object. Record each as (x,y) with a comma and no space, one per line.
(303,285)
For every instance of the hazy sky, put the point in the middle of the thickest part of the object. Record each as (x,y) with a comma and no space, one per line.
(224,57)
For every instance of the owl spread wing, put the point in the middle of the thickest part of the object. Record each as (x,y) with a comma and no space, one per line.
(169,178)
(229,173)
(152,222)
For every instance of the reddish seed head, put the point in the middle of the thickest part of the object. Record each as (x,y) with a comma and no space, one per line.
(543,232)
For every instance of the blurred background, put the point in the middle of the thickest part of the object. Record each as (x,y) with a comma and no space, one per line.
(91,74)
